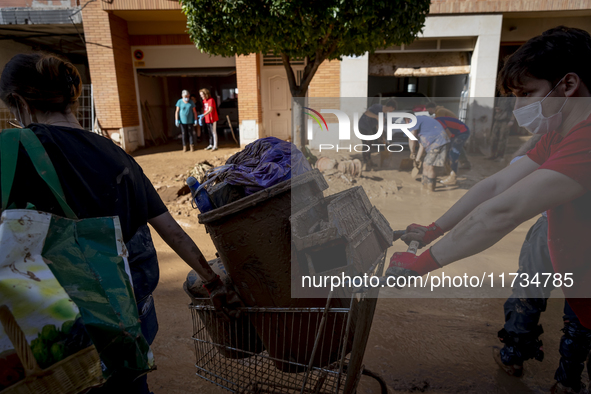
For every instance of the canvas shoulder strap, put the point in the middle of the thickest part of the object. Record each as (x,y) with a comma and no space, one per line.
(9,147)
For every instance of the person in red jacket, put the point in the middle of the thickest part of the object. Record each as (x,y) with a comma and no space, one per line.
(551,80)
(210,116)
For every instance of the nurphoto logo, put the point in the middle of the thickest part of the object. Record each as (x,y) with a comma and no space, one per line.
(395,122)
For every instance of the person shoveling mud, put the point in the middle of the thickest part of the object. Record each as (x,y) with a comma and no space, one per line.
(434,140)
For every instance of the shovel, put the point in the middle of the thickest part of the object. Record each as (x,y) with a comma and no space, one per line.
(416,169)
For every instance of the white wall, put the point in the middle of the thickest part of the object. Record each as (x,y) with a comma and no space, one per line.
(180,56)
(487,29)
(249,132)
(354,72)
(483,70)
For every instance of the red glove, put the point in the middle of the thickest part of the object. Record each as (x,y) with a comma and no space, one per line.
(430,233)
(419,264)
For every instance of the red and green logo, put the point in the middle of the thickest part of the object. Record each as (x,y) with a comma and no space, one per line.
(316,118)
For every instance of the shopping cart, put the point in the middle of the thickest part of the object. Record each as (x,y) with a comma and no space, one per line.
(333,340)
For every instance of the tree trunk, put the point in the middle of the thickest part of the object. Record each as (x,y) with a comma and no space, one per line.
(299,91)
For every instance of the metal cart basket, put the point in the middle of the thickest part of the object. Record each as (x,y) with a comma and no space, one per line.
(250,368)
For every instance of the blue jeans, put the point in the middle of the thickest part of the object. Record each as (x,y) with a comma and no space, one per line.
(457,149)
(524,307)
(521,332)
(523,310)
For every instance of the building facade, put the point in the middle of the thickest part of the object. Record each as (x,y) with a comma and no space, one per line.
(138,57)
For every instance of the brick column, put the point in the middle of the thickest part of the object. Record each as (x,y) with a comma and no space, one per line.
(250,108)
(111,68)
(327,80)
(325,89)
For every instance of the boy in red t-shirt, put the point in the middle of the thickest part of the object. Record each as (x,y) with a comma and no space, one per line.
(210,115)
(550,76)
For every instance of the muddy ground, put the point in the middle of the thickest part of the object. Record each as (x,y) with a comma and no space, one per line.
(416,345)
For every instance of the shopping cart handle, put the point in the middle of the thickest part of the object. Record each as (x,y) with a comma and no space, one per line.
(398,234)
(413,247)
(396,271)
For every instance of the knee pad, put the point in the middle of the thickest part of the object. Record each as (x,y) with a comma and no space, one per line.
(574,349)
(521,347)
(576,341)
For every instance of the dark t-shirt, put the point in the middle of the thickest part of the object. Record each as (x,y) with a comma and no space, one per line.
(368,125)
(98,178)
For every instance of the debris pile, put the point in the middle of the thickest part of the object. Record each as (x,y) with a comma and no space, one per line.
(175,192)
(342,174)
(349,167)
(201,168)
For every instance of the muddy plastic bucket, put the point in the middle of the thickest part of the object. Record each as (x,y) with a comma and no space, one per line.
(253,238)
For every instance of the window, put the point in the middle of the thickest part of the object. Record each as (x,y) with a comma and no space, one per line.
(271,59)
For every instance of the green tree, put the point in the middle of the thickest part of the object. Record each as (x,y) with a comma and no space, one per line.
(314,30)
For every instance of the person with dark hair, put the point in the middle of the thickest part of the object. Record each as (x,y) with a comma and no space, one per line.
(551,79)
(438,110)
(458,133)
(210,116)
(368,125)
(98,179)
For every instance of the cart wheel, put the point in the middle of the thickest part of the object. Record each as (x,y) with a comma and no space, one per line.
(383,387)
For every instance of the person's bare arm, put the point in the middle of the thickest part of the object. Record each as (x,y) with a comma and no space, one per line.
(176,114)
(195,112)
(485,190)
(478,194)
(412,144)
(495,218)
(527,145)
(420,152)
(182,244)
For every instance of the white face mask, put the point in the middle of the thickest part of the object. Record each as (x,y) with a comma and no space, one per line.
(531,118)
(186,99)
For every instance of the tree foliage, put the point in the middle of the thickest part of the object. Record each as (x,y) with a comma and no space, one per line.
(316,30)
